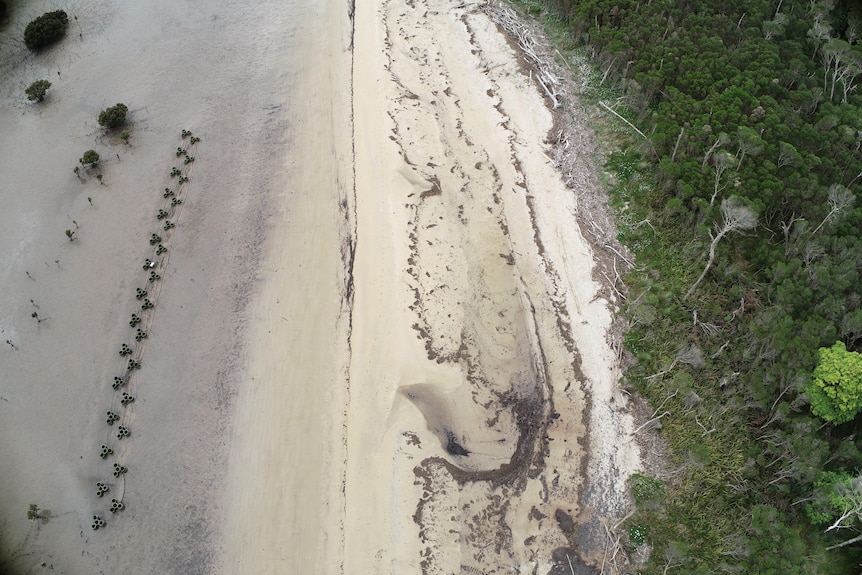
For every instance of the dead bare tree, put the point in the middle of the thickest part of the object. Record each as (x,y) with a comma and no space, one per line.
(722,140)
(736,217)
(721,162)
(510,22)
(839,198)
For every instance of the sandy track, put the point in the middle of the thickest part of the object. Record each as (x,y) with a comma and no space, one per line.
(479,351)
(285,502)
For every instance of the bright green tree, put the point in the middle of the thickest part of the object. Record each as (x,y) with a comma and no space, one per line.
(836,387)
(828,500)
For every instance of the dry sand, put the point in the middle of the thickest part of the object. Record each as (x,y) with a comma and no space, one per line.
(377,345)
(228,72)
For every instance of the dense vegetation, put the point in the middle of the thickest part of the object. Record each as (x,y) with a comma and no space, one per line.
(46,29)
(750,109)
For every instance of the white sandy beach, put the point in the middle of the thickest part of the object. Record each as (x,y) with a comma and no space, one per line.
(376,344)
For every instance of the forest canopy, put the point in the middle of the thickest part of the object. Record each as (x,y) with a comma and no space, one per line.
(755,102)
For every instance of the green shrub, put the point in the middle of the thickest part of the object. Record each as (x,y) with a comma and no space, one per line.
(114,116)
(836,387)
(36,90)
(90,157)
(46,29)
(647,490)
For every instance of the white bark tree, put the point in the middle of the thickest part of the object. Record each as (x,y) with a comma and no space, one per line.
(721,162)
(736,217)
(839,198)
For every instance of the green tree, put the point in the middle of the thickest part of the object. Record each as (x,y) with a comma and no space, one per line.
(36,90)
(837,500)
(773,547)
(46,29)
(90,157)
(114,116)
(836,387)
(827,502)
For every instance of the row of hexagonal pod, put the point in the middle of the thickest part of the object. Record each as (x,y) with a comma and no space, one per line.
(125,349)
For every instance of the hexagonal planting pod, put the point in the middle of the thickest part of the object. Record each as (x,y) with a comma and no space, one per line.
(125,350)
(169,224)
(161,214)
(147,304)
(105,451)
(119,470)
(176,202)
(139,293)
(180,152)
(116,506)
(148,263)
(154,239)
(134,321)
(161,249)
(133,365)
(118,382)
(97,522)
(154,276)
(127,399)
(139,335)
(123,431)
(112,417)
(175,172)
(101,489)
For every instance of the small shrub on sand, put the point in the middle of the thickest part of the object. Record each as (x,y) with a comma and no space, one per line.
(90,157)
(46,29)
(36,91)
(113,117)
